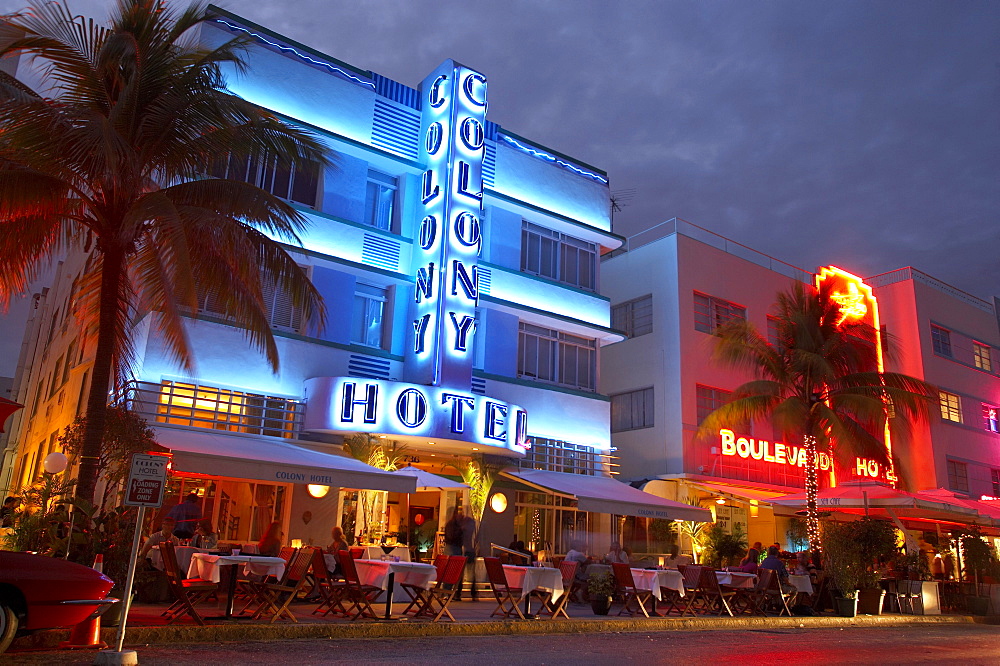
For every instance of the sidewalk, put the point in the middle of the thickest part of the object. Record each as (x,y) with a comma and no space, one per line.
(472,618)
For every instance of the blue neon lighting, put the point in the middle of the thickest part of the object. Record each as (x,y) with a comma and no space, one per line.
(551,158)
(287,49)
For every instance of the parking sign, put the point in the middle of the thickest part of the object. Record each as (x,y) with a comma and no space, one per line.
(146,480)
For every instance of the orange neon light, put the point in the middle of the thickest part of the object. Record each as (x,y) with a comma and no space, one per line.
(857,302)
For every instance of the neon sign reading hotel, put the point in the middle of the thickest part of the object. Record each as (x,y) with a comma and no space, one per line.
(438,403)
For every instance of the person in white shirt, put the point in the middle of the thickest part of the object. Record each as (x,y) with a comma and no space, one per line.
(616,554)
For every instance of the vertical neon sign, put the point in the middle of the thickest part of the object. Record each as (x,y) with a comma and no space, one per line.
(450,235)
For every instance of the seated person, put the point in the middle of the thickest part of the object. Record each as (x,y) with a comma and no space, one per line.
(804,565)
(576,554)
(205,535)
(616,554)
(773,562)
(338,544)
(749,563)
(165,534)
(270,544)
(675,559)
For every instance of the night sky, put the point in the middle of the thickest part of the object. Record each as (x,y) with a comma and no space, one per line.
(862,134)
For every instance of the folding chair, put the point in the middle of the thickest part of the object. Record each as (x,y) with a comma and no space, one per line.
(503,592)
(187,591)
(775,594)
(758,595)
(275,597)
(330,593)
(420,600)
(358,594)
(713,593)
(625,582)
(451,583)
(692,577)
(558,607)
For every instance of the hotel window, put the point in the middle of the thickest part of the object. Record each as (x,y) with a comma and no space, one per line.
(990,418)
(366,315)
(632,410)
(951,406)
(941,338)
(995,479)
(958,476)
(634,317)
(981,355)
(278,306)
(556,456)
(709,399)
(298,182)
(380,199)
(712,313)
(772,331)
(559,257)
(222,409)
(558,358)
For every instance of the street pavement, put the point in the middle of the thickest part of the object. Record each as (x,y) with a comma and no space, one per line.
(966,644)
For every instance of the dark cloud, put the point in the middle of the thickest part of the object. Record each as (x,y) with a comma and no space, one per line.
(861,133)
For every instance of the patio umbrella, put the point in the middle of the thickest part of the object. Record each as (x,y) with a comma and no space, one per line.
(990,512)
(7,407)
(866,497)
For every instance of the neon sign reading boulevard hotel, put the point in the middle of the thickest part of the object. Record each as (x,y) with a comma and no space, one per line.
(786,454)
(439,403)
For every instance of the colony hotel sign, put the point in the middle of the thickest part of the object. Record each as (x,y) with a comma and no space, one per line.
(438,403)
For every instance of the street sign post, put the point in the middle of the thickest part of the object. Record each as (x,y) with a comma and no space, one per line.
(146,481)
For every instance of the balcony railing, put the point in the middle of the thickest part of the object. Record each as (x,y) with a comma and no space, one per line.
(198,406)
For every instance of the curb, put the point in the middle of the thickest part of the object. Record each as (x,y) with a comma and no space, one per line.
(174,635)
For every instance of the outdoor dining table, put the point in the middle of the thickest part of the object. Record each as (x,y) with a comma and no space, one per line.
(208,567)
(733,579)
(655,580)
(802,583)
(530,579)
(377,553)
(386,574)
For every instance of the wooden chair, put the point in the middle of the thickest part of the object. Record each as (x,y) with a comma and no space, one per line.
(558,607)
(286,553)
(274,597)
(777,596)
(713,593)
(625,582)
(758,596)
(188,592)
(420,599)
(502,591)
(442,594)
(330,592)
(358,594)
(357,552)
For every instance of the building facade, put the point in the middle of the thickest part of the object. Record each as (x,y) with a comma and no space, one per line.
(663,382)
(459,264)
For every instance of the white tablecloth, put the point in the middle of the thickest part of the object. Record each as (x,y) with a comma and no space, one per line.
(654,580)
(376,572)
(376,553)
(207,566)
(801,582)
(743,581)
(529,579)
(183,554)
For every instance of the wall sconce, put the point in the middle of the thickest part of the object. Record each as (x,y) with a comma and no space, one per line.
(498,502)
(317,491)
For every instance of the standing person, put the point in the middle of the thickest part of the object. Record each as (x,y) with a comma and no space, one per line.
(186,514)
(469,550)
(270,544)
(453,533)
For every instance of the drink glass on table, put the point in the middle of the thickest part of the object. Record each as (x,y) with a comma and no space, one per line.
(236,551)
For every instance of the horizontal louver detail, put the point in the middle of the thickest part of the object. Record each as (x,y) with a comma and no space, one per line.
(489,164)
(368,367)
(396,129)
(479,386)
(396,91)
(485,278)
(381,252)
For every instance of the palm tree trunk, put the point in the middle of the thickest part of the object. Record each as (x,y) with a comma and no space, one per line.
(812,490)
(113,265)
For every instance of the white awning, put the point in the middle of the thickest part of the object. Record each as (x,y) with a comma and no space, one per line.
(601,494)
(262,459)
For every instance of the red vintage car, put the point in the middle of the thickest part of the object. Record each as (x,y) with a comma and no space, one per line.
(38,592)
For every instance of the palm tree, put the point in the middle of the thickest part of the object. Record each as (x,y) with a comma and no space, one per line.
(819,382)
(108,154)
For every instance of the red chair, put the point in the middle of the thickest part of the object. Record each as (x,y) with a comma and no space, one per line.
(330,592)
(276,597)
(360,595)
(420,599)
(357,552)
(556,608)
(443,594)
(504,593)
(188,592)
(625,582)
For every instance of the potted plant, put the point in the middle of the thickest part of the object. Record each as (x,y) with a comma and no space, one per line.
(842,563)
(723,548)
(601,588)
(980,560)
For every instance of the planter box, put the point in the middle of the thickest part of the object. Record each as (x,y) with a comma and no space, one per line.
(870,601)
(846,607)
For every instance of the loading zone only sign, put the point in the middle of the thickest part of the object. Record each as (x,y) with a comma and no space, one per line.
(146,480)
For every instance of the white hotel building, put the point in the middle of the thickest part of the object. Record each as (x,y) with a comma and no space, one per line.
(459,264)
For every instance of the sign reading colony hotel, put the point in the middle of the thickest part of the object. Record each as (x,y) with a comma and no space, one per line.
(741,455)
(439,403)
